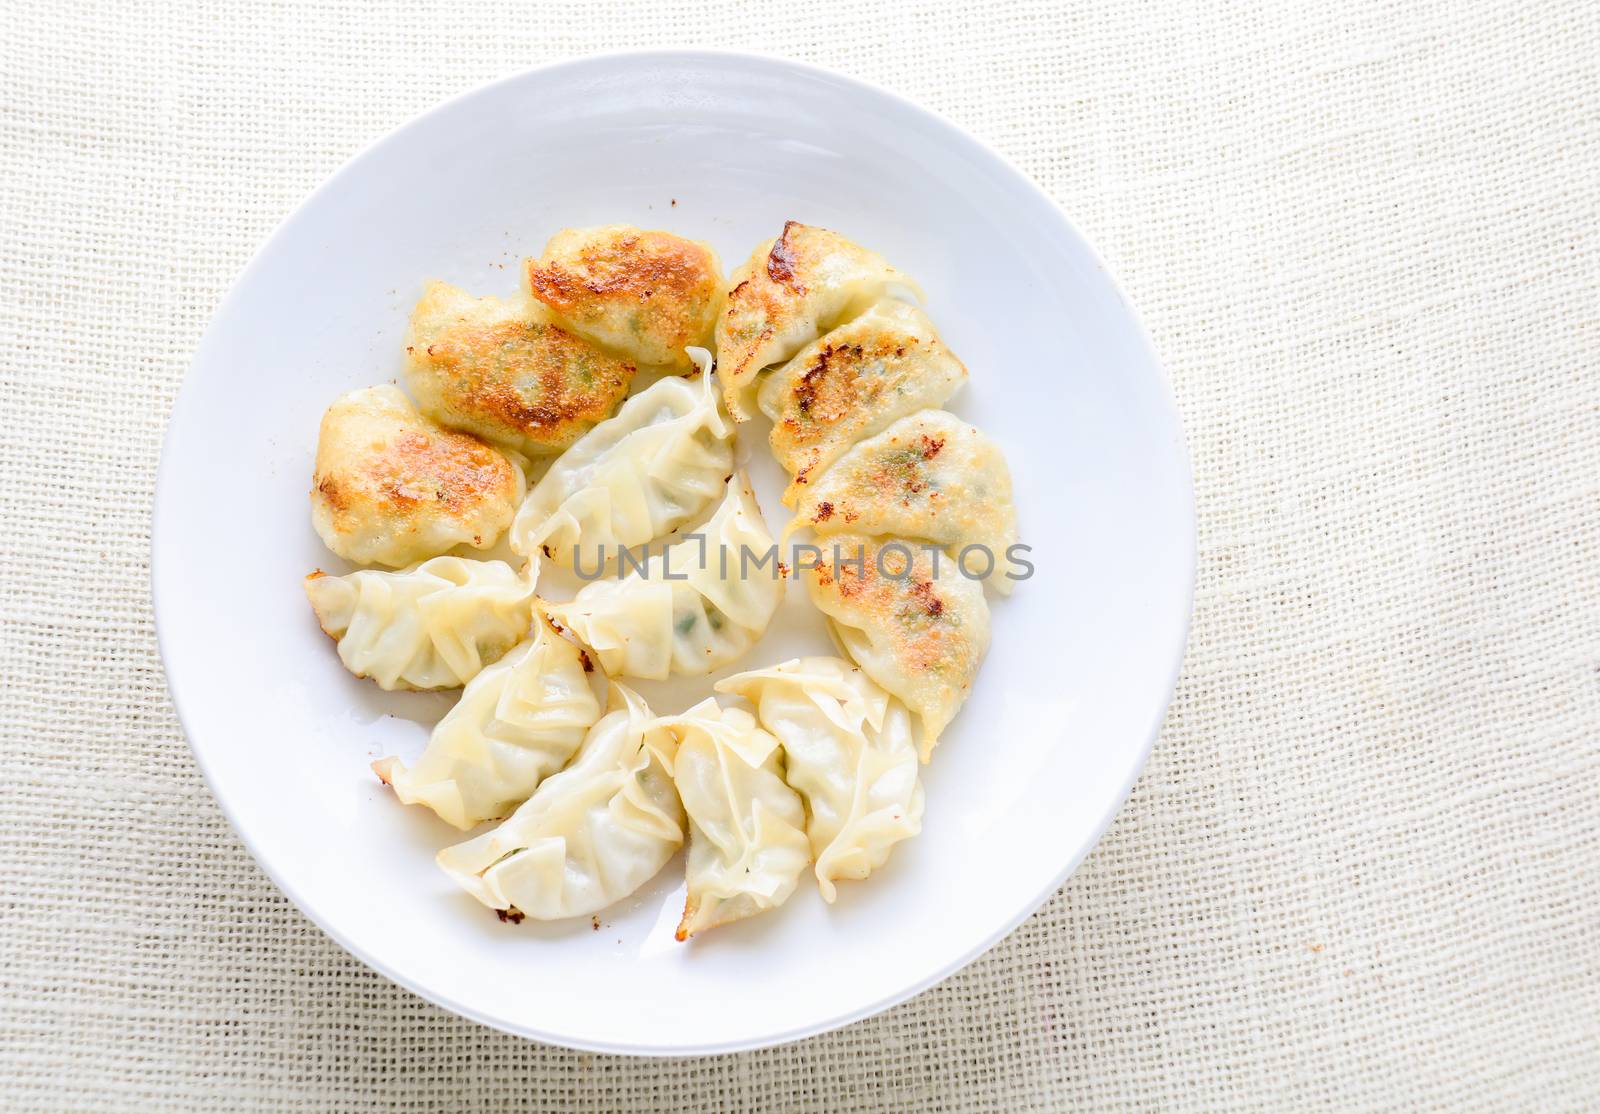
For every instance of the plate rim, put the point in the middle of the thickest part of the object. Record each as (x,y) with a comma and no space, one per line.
(1177,652)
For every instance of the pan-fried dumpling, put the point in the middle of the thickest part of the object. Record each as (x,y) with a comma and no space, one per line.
(516,723)
(929,476)
(849,751)
(694,607)
(646,295)
(635,477)
(591,834)
(432,626)
(852,383)
(917,629)
(747,841)
(392,488)
(788,293)
(500,368)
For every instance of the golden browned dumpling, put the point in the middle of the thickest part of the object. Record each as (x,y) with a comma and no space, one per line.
(918,629)
(500,368)
(855,382)
(645,295)
(392,488)
(787,294)
(929,476)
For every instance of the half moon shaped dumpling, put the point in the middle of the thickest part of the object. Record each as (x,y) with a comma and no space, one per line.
(645,295)
(517,722)
(392,488)
(635,477)
(908,618)
(694,607)
(789,292)
(855,382)
(848,750)
(433,626)
(500,368)
(747,841)
(929,476)
(590,835)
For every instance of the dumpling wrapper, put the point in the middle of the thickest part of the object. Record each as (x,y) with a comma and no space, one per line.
(591,834)
(789,292)
(502,369)
(850,753)
(662,459)
(694,607)
(646,295)
(747,841)
(433,626)
(517,722)
(852,383)
(921,635)
(929,476)
(390,487)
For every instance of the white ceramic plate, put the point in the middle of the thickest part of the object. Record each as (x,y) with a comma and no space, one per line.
(721,147)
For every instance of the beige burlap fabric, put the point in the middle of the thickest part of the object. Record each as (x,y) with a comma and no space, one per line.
(1363,868)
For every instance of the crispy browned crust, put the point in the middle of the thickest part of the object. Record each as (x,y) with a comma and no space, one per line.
(755,308)
(781,259)
(635,265)
(833,387)
(899,477)
(442,469)
(690,908)
(910,612)
(664,286)
(535,379)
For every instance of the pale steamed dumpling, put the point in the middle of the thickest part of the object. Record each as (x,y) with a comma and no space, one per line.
(789,292)
(502,369)
(849,752)
(591,834)
(747,841)
(517,722)
(392,488)
(660,461)
(432,626)
(694,607)
(852,383)
(921,635)
(929,476)
(646,295)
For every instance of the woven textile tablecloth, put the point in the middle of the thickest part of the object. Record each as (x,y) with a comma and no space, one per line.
(1362,870)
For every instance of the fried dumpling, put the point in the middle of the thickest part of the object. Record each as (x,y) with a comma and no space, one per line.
(517,722)
(929,476)
(392,488)
(855,382)
(696,606)
(645,295)
(500,368)
(635,477)
(918,629)
(848,750)
(747,841)
(432,626)
(591,834)
(788,293)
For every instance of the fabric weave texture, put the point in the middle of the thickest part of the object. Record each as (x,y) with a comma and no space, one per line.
(1362,870)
